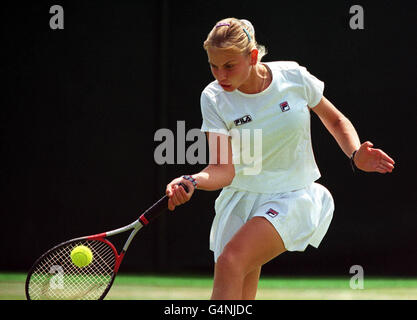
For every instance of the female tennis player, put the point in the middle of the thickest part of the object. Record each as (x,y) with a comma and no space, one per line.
(262,213)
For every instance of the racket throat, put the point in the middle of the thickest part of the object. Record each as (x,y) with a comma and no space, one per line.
(119,261)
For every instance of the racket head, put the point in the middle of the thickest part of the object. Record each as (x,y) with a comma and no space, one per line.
(54,276)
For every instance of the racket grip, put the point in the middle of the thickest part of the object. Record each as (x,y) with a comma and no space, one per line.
(157,209)
(184,186)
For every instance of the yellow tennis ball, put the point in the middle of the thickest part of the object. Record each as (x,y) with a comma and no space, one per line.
(81,256)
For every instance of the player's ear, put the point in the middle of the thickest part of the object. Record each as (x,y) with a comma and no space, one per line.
(254,56)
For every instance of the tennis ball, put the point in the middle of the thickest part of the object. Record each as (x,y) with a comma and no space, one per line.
(81,256)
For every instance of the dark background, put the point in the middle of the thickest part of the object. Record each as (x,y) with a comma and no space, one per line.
(80,107)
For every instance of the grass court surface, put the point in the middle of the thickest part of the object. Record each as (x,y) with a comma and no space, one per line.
(153,287)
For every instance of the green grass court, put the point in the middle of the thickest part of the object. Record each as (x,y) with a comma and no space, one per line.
(149,287)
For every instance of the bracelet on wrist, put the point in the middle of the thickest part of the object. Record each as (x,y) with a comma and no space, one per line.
(191,179)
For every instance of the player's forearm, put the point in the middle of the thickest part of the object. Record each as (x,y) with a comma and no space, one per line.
(345,135)
(214,177)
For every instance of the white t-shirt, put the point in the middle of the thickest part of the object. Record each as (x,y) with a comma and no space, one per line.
(270,130)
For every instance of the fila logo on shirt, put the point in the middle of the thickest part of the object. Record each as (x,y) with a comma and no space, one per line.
(284,106)
(243,120)
(272,213)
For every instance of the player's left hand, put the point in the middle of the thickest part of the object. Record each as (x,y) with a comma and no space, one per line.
(373,160)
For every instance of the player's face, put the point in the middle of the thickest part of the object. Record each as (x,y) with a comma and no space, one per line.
(230,69)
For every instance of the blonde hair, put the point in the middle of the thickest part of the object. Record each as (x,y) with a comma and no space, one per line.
(234,34)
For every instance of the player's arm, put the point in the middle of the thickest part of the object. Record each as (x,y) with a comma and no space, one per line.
(220,171)
(218,174)
(366,158)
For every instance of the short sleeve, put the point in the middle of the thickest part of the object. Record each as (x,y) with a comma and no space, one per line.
(313,87)
(212,122)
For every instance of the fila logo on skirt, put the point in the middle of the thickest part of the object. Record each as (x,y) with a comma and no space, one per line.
(272,213)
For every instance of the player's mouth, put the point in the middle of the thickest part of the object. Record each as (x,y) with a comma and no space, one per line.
(226,86)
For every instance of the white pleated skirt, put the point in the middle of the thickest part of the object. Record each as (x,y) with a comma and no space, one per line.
(301,217)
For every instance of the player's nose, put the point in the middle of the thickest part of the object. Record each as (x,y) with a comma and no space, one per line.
(221,75)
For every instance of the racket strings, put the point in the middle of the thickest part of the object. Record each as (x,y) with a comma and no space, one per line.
(55,277)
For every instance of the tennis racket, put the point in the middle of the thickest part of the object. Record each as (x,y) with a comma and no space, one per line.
(54,276)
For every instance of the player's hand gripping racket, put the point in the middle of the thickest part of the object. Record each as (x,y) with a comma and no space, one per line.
(54,276)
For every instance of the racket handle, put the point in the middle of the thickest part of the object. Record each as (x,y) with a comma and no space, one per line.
(184,186)
(157,209)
